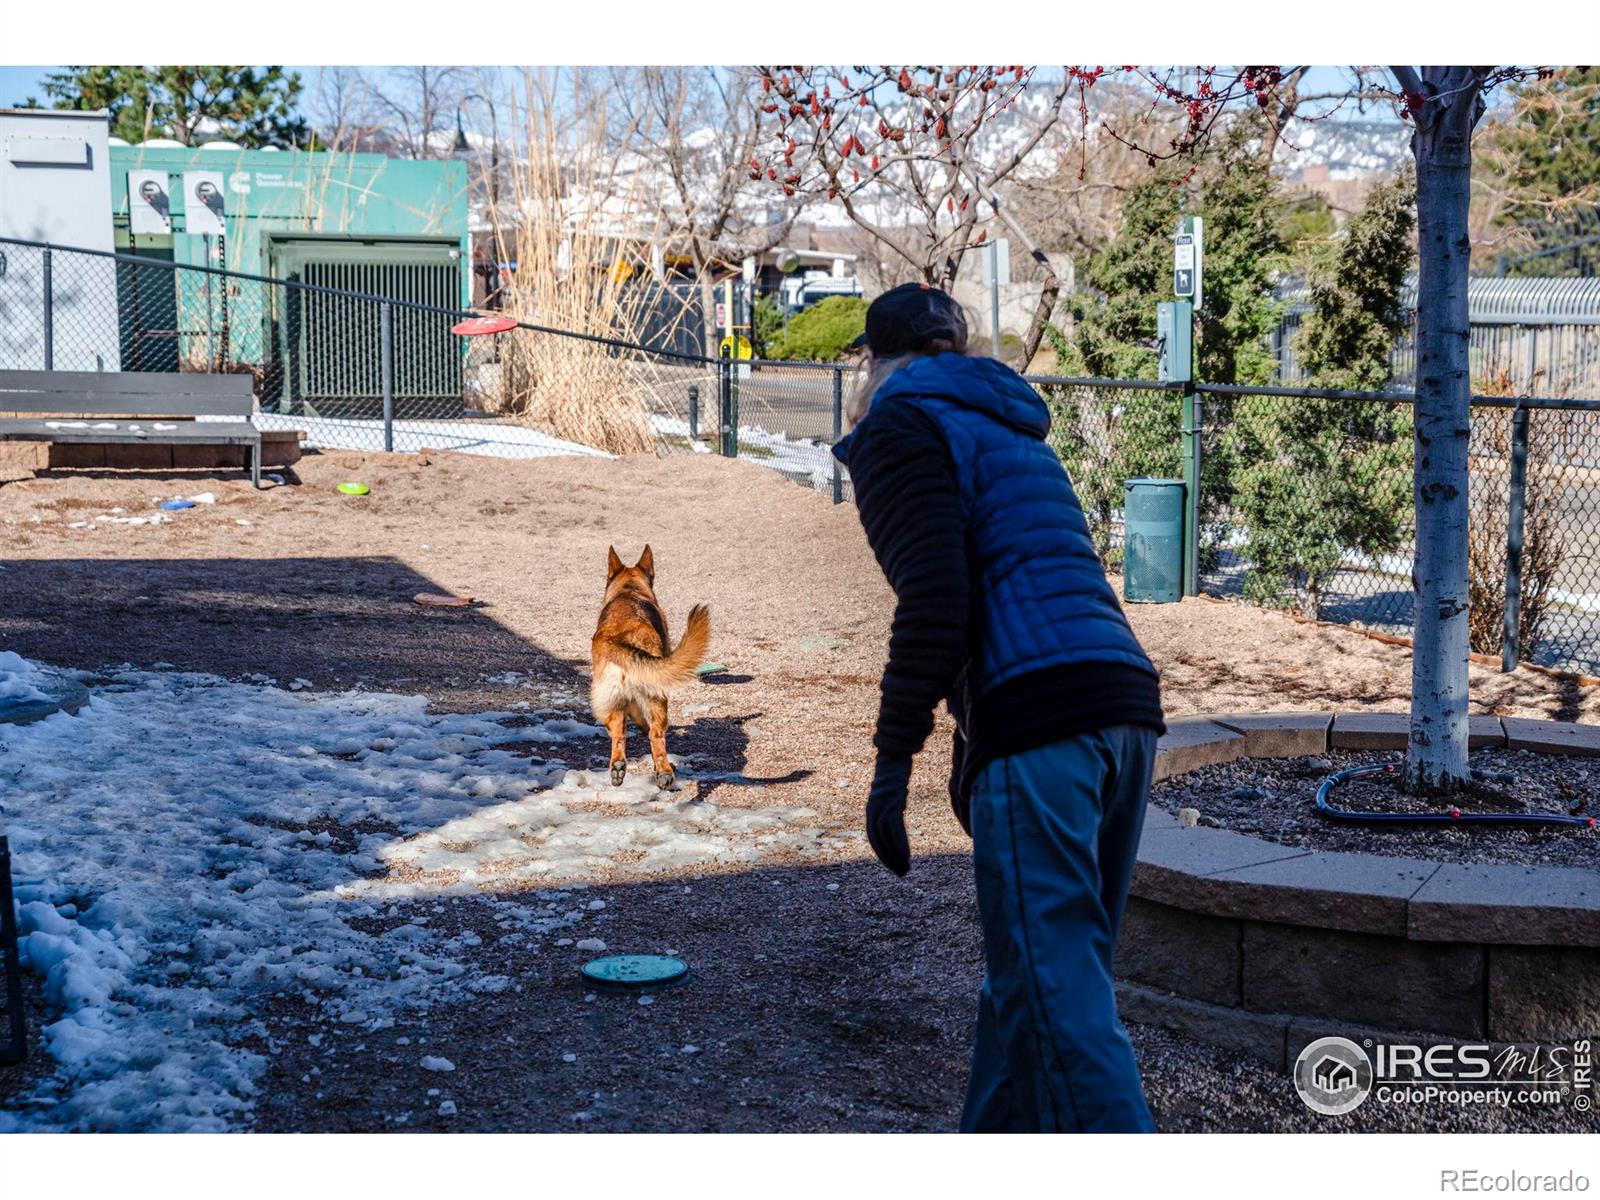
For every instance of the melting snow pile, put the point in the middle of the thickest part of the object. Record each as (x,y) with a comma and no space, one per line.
(19,680)
(582,824)
(192,853)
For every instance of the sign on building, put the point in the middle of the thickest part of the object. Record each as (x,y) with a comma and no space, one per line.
(149,206)
(202,202)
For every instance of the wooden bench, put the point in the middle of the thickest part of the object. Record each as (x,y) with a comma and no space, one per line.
(131,408)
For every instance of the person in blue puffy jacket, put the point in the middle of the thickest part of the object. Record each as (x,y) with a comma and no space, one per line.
(1004,612)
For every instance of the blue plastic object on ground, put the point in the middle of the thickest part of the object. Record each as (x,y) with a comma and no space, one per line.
(175,505)
(634,972)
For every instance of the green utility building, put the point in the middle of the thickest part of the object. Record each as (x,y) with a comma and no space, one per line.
(360,222)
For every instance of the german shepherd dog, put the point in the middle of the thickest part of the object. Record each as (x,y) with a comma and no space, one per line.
(635,665)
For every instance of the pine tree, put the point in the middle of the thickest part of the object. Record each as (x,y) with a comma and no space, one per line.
(1106,440)
(1315,479)
(251,105)
(1547,158)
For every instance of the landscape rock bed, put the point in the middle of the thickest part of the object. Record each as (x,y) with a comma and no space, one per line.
(1273,798)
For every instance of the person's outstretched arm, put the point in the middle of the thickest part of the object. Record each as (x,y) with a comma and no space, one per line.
(910,506)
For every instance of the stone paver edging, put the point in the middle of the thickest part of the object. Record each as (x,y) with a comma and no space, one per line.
(1239,940)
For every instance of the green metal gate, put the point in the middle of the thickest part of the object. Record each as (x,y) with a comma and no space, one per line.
(329,346)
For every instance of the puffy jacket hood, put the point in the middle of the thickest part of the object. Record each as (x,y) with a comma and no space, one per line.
(980,384)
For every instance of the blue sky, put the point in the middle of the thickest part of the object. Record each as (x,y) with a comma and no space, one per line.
(17,83)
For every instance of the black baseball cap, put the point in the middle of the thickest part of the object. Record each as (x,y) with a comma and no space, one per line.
(908,317)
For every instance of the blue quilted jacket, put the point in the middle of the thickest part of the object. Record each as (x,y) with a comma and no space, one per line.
(1039,592)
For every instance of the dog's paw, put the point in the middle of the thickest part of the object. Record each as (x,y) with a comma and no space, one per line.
(618,770)
(664,780)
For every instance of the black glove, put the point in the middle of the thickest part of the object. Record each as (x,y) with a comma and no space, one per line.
(886,813)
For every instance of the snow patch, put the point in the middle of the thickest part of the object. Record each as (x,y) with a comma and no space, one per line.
(190,852)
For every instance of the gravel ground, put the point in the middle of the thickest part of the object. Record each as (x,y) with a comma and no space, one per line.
(1274,798)
(811,1007)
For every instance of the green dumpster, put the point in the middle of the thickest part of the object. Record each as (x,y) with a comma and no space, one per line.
(1152,560)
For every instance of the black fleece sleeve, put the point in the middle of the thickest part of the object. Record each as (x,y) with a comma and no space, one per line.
(910,507)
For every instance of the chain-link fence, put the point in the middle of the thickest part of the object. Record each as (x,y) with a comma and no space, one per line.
(1305,502)
(375,369)
(1304,499)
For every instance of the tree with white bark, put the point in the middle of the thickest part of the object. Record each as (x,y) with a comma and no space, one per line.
(1443,105)
(915,130)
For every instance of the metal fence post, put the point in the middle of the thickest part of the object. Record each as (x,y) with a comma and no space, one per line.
(386,352)
(1510,647)
(49,312)
(838,432)
(1191,484)
(730,435)
(694,412)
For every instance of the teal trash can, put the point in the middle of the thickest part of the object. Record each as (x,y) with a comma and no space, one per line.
(1152,558)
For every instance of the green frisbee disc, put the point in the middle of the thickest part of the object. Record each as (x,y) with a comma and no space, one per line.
(354,489)
(633,972)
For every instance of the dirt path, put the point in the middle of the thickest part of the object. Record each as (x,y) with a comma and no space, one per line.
(813,1006)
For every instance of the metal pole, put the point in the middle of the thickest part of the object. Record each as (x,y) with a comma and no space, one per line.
(838,431)
(1192,413)
(694,412)
(49,313)
(211,318)
(1510,649)
(730,446)
(386,352)
(1516,519)
(994,295)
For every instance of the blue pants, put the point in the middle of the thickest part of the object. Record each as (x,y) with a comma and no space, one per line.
(1055,832)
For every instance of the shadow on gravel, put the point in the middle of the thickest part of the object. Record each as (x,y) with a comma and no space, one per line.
(823,998)
(334,621)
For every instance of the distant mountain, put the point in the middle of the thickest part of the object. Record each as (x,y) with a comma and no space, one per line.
(1348,149)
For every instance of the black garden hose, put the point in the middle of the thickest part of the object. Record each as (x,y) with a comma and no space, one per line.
(1453,816)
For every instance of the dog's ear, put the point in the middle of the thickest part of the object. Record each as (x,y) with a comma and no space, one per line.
(647,564)
(613,563)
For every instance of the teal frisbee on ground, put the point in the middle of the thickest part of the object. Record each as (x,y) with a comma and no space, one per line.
(631,972)
(710,668)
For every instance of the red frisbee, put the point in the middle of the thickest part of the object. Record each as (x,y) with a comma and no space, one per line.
(478,326)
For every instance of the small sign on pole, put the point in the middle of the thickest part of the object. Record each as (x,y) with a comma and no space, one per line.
(1188,260)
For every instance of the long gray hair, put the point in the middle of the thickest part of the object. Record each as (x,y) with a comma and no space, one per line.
(874,372)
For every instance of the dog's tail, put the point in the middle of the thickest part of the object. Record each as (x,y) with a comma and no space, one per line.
(677,668)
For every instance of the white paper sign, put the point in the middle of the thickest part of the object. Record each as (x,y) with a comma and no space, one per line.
(202,202)
(149,206)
